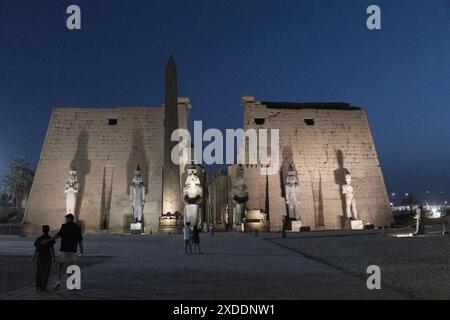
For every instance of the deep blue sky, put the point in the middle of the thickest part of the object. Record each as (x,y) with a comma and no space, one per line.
(285,50)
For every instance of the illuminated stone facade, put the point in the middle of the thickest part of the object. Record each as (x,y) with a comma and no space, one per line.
(321,141)
(105,145)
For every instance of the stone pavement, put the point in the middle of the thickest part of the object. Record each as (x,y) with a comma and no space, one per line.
(418,266)
(231,266)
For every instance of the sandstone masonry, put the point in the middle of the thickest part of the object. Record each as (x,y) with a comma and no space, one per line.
(105,145)
(321,141)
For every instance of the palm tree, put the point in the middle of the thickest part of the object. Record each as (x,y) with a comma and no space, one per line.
(17,181)
(410,201)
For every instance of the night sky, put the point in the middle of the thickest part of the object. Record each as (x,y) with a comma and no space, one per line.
(275,50)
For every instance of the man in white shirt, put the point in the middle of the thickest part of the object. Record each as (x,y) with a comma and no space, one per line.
(187,235)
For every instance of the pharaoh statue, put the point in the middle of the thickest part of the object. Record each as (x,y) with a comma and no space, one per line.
(292,188)
(137,195)
(71,190)
(192,196)
(239,195)
(350,201)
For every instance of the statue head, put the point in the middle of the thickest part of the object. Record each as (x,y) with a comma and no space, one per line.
(192,179)
(348,177)
(73,171)
(240,171)
(73,175)
(192,169)
(291,179)
(137,177)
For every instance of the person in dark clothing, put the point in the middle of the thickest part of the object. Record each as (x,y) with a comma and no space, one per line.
(196,239)
(283,228)
(187,236)
(43,255)
(71,239)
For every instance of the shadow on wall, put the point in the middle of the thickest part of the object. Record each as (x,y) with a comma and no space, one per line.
(318,203)
(83,165)
(107,188)
(182,185)
(137,157)
(202,176)
(339,176)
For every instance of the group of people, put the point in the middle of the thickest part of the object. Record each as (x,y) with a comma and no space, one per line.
(191,236)
(44,254)
(72,247)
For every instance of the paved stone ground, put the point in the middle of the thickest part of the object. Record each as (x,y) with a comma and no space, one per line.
(232,266)
(417,266)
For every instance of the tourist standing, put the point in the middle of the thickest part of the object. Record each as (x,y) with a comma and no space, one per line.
(196,239)
(212,229)
(187,236)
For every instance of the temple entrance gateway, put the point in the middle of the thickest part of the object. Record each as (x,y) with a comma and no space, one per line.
(126,179)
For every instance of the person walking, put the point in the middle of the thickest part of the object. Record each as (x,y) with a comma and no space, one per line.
(196,239)
(43,255)
(187,236)
(71,240)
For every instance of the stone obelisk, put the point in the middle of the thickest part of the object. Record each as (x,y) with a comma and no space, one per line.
(171,171)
